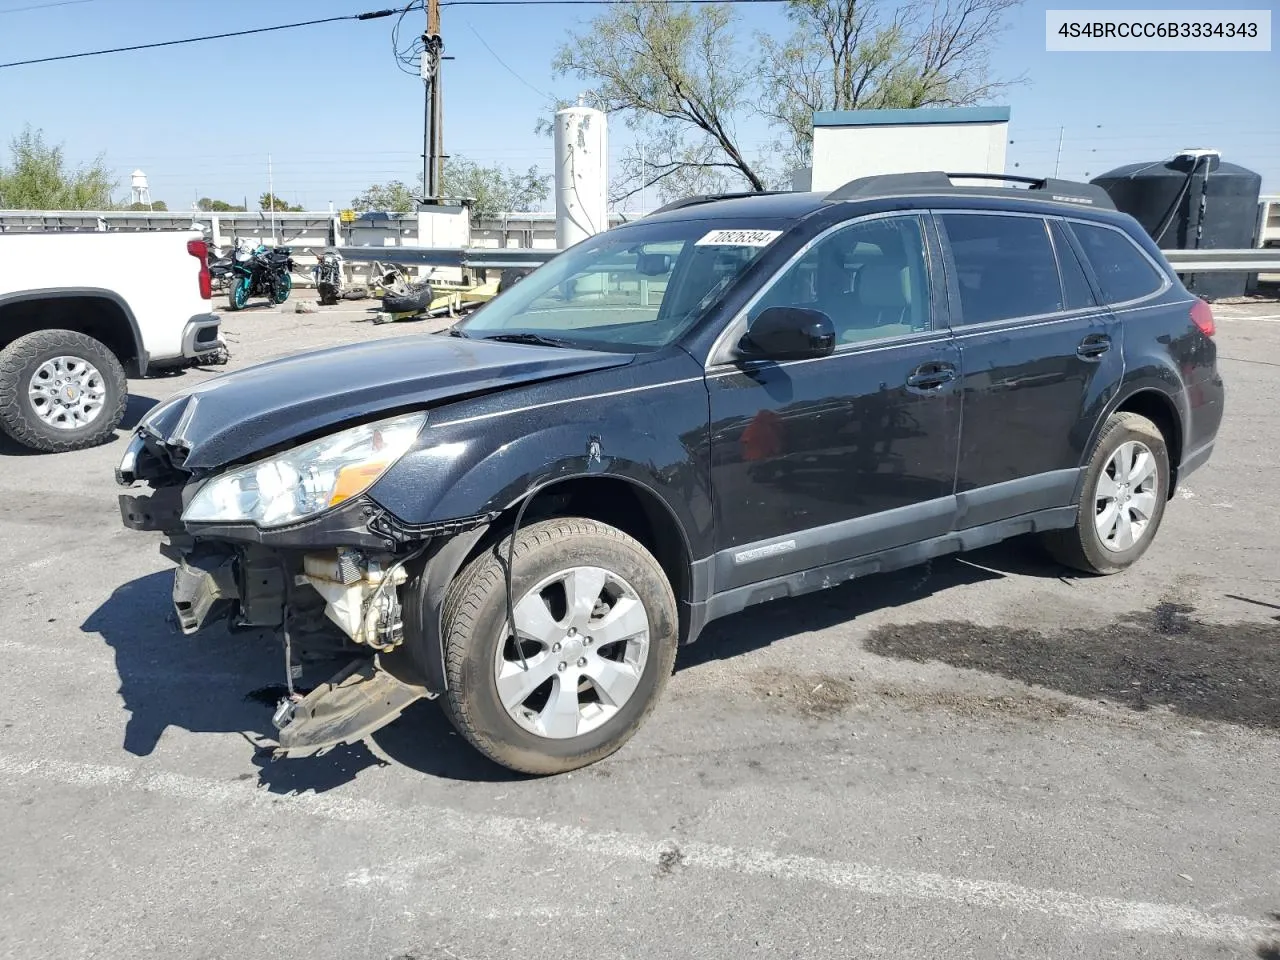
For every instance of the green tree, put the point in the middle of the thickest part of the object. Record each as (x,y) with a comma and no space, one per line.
(38,177)
(494,189)
(675,75)
(209,205)
(265,202)
(491,189)
(390,197)
(158,206)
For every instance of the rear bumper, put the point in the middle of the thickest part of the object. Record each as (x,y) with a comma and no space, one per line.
(200,336)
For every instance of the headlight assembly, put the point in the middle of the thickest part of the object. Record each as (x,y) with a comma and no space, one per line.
(305,481)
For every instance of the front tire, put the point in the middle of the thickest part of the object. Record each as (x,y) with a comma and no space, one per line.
(598,626)
(1126,488)
(60,390)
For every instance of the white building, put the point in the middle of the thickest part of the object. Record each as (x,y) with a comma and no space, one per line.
(848,144)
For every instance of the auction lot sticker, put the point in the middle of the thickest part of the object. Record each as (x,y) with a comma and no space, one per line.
(739,238)
(1151,31)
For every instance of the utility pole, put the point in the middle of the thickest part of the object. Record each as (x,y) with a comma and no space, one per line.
(1058,159)
(271,197)
(432,128)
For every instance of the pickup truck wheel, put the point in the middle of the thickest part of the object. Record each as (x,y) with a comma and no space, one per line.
(597,623)
(60,390)
(1126,487)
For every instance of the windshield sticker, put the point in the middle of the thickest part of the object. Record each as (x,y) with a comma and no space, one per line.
(739,238)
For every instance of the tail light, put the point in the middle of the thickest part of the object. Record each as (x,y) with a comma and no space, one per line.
(199,250)
(1202,317)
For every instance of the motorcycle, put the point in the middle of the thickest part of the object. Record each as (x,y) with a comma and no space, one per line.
(262,272)
(327,274)
(220,266)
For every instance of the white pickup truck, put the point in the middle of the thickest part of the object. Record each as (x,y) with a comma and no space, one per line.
(79,309)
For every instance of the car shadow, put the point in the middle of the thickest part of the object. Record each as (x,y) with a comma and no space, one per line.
(219,681)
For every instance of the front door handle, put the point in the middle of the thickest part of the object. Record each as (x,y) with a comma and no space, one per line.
(1093,346)
(931,376)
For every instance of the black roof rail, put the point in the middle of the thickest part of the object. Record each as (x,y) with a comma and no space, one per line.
(712,198)
(935,181)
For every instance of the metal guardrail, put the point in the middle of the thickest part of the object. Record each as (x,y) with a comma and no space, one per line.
(494,258)
(1265,260)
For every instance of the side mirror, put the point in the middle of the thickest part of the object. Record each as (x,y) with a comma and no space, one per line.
(789,333)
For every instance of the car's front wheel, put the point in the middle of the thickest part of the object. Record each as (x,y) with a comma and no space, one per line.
(597,626)
(1126,487)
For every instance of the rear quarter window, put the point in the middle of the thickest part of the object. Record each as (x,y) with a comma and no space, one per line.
(1124,273)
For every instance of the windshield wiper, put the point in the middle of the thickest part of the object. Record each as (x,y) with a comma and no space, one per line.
(536,339)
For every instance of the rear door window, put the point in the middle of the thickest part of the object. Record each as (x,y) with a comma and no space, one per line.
(1005,267)
(1124,273)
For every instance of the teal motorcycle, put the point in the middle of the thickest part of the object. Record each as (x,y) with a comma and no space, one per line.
(264,272)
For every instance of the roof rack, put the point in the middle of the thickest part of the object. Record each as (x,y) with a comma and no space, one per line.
(711,198)
(935,181)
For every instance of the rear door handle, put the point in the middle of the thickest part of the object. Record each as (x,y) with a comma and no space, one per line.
(931,376)
(1093,346)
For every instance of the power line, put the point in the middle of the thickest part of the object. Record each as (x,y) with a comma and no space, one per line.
(371,15)
(42,6)
(505,66)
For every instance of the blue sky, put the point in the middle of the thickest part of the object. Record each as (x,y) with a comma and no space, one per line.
(330,107)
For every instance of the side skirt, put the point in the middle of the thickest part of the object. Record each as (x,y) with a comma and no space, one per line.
(833,574)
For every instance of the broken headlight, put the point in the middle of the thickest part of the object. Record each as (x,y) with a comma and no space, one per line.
(308,480)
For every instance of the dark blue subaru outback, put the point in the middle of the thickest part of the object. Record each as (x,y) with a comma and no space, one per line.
(731,400)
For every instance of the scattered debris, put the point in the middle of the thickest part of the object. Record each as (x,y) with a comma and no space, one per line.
(669,859)
(306,306)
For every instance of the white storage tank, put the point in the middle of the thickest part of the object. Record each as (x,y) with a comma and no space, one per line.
(582,178)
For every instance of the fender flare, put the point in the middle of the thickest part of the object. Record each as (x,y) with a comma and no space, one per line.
(60,293)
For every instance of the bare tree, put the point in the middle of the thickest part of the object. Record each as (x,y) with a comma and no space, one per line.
(866,54)
(679,76)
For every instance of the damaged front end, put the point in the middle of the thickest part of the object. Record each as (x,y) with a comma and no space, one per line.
(293,544)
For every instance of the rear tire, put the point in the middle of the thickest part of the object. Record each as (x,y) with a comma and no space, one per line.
(31,409)
(1126,487)
(632,608)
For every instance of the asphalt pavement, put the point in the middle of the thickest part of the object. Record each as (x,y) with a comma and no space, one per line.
(985,757)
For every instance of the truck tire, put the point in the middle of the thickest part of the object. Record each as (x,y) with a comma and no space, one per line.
(1126,487)
(60,390)
(599,628)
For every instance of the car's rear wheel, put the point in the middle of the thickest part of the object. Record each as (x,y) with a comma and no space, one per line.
(1126,488)
(60,390)
(597,625)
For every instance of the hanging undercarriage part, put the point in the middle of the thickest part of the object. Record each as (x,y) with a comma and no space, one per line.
(361,597)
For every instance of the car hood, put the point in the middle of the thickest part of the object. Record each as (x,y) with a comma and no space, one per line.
(243,413)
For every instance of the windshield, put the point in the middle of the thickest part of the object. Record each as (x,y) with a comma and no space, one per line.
(637,287)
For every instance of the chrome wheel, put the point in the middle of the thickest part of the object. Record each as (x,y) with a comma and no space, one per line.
(584,636)
(67,393)
(1125,498)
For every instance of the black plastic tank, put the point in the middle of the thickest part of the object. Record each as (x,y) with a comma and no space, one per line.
(1168,196)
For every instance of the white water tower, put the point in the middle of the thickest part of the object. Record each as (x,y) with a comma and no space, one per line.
(141,193)
(582,174)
